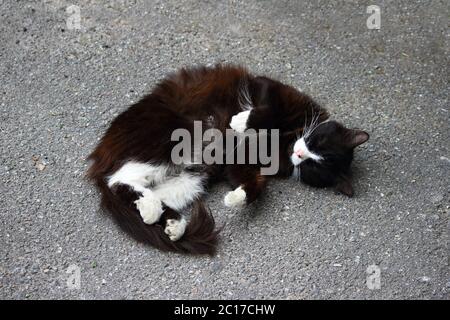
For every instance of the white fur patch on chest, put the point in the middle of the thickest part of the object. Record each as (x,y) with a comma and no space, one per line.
(239,122)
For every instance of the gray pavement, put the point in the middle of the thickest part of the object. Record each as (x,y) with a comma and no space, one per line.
(60,87)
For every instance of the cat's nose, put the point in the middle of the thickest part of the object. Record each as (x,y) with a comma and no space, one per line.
(299,153)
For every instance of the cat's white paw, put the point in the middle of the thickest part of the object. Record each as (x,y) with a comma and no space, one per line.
(239,122)
(235,198)
(149,207)
(175,228)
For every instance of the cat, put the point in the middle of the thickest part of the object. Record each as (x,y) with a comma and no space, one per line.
(150,197)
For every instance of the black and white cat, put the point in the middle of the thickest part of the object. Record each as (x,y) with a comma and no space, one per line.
(160,203)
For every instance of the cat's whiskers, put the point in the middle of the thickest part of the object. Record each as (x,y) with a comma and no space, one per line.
(244,99)
(318,124)
(313,125)
(308,128)
(305,129)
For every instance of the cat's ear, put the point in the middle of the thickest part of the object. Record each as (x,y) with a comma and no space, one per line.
(356,137)
(344,185)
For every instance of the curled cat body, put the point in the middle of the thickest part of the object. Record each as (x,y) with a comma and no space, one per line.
(160,203)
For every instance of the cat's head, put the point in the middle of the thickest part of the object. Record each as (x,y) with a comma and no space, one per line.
(324,153)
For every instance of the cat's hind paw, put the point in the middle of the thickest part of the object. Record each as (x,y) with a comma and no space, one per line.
(239,122)
(235,198)
(175,228)
(149,207)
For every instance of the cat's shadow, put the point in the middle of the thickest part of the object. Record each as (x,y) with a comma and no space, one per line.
(259,208)
(263,207)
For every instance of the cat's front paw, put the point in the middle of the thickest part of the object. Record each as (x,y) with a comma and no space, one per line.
(175,228)
(149,207)
(235,198)
(239,122)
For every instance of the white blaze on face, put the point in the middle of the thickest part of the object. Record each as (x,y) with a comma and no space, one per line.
(301,153)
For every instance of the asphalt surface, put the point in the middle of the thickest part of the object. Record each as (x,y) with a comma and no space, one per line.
(60,87)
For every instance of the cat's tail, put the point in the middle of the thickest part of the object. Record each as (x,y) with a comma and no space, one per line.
(200,236)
